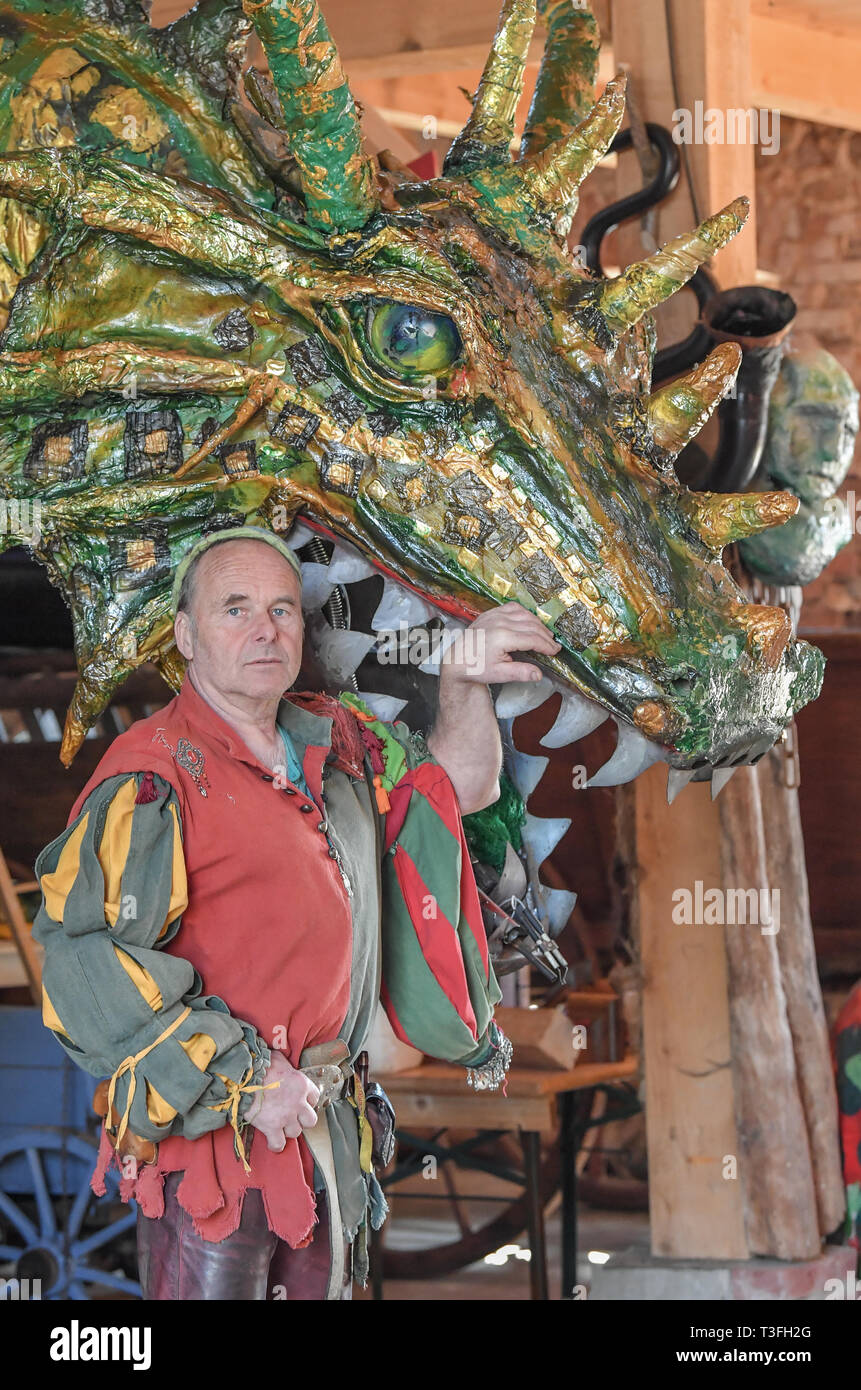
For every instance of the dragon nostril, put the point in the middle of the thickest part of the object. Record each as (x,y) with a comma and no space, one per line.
(683,681)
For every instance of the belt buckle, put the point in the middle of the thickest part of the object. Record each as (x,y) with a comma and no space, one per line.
(330,1079)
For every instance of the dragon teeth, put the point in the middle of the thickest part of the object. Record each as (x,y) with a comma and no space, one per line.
(633,754)
(577,717)
(677,778)
(512,881)
(399,605)
(559,904)
(526,771)
(316,585)
(299,535)
(385,707)
(439,648)
(541,836)
(347,568)
(720,777)
(519,697)
(340,651)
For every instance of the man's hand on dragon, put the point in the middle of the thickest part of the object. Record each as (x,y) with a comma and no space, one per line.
(483,652)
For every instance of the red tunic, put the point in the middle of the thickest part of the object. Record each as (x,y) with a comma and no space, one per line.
(269,929)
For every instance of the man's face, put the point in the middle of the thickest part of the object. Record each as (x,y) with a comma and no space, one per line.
(244,629)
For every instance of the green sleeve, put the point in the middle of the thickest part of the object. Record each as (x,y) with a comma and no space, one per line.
(113,894)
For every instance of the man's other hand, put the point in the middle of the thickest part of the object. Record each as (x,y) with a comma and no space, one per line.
(287,1109)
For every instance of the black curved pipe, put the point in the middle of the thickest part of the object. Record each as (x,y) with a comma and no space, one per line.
(759,320)
(678,357)
(637,203)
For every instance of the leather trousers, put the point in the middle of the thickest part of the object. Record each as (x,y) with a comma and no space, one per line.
(252,1263)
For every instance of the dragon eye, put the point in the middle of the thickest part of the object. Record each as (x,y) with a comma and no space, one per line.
(412,342)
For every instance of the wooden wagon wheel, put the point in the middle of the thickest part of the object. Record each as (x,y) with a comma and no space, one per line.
(66,1243)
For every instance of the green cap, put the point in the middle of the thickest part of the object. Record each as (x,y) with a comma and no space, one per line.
(234,533)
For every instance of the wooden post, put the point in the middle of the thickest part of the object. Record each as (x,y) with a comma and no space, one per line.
(695,1210)
(784,842)
(776,1168)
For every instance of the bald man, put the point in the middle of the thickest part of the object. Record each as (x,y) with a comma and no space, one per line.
(211,921)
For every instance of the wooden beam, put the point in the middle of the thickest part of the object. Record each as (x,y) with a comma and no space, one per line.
(802,70)
(380,134)
(803,64)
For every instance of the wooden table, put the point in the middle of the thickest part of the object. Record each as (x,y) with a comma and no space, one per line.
(536,1103)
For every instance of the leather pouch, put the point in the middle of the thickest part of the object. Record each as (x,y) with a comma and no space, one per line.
(381,1118)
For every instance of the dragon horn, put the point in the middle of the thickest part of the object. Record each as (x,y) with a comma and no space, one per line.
(320,116)
(678,412)
(645,284)
(554,176)
(486,137)
(565,90)
(724,517)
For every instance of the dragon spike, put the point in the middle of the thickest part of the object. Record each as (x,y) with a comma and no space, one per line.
(565,90)
(678,412)
(320,116)
(105,671)
(646,284)
(724,517)
(486,138)
(554,176)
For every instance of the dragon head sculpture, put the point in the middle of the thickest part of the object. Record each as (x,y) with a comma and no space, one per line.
(224,309)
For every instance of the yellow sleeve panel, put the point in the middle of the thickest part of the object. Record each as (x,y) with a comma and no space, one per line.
(141,979)
(114,849)
(50,1017)
(179,883)
(56,886)
(201,1049)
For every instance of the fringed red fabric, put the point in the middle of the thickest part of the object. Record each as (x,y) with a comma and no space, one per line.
(214,1184)
(347,745)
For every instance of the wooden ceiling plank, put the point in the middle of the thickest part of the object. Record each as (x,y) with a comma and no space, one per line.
(801,70)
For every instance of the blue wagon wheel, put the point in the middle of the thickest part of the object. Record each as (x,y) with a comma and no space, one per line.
(51,1240)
